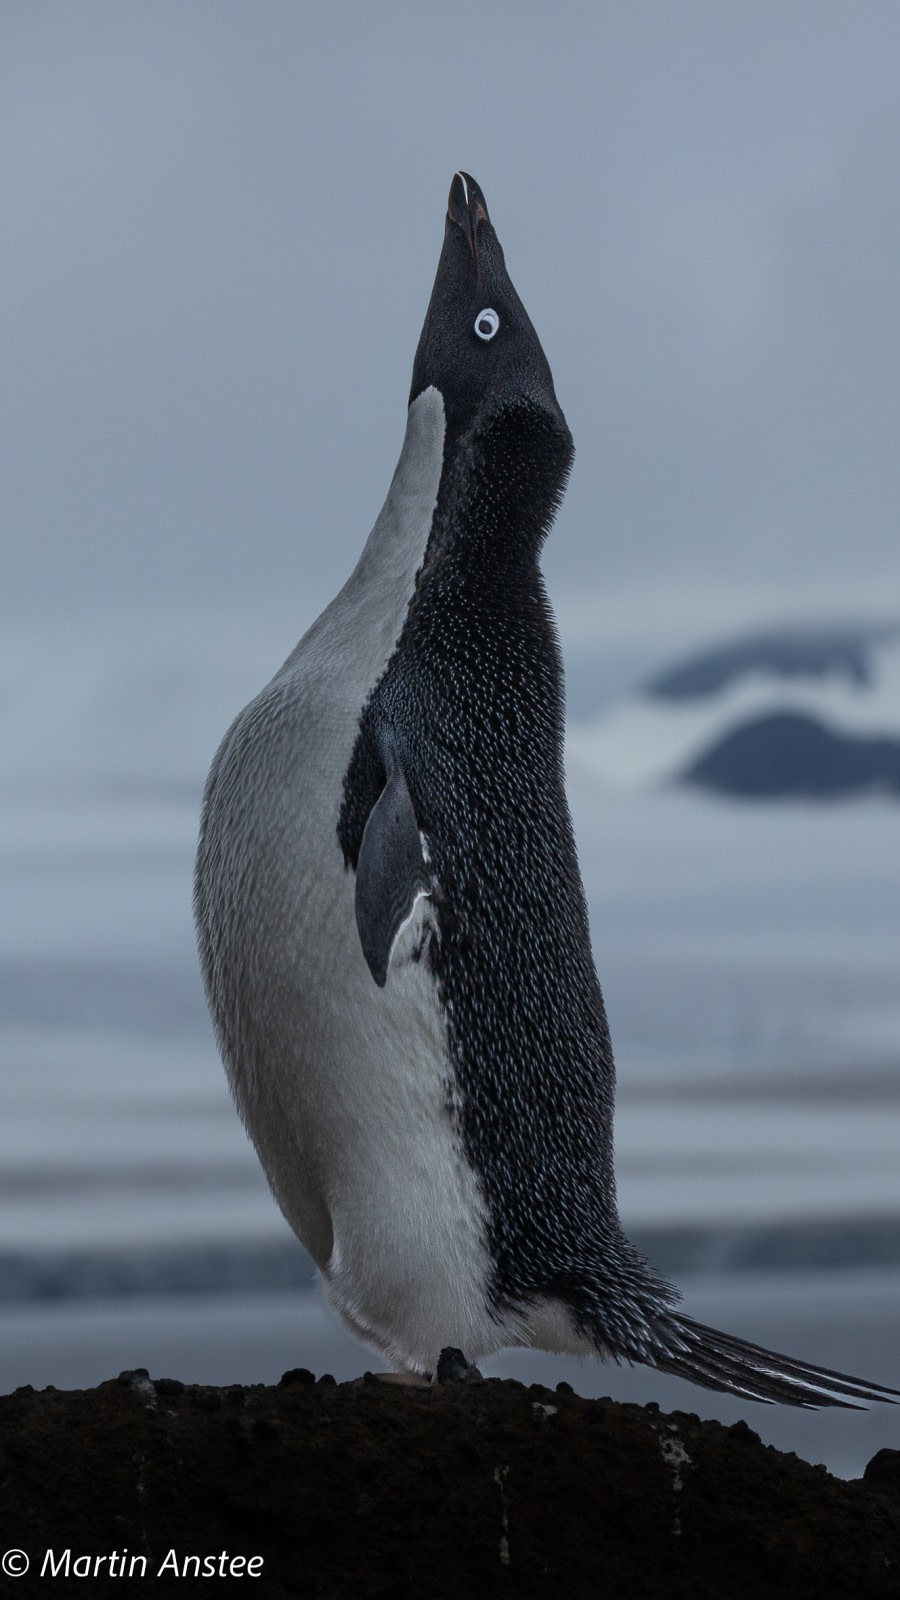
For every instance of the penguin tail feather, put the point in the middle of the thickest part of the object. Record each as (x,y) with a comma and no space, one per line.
(718,1361)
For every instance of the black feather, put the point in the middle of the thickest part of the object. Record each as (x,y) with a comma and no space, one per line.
(719,1361)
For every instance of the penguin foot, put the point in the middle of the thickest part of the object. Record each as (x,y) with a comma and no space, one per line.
(453,1367)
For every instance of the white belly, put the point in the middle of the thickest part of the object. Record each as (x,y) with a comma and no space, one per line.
(344,1087)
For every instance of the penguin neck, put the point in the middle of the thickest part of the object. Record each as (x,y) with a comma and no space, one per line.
(399,538)
(503,480)
(373,602)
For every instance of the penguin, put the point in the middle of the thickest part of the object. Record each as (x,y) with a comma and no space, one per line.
(391,920)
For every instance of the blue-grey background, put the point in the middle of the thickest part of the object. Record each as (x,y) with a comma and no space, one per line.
(220,227)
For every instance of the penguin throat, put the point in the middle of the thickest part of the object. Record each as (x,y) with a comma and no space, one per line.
(502,484)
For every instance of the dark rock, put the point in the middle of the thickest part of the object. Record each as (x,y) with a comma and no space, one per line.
(205,1399)
(791,753)
(296,1375)
(169,1386)
(457,1490)
(453,1367)
(787,652)
(883,1473)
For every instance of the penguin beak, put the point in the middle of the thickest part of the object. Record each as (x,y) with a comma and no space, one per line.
(467,207)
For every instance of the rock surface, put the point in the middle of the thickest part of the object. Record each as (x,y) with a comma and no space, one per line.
(373,1489)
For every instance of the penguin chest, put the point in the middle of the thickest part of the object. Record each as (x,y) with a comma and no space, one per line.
(346,1088)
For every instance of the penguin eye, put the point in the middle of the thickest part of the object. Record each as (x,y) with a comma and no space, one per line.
(486,323)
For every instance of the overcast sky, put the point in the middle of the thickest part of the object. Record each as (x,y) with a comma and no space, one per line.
(220,227)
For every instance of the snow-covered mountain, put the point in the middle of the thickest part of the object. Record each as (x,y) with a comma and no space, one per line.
(803,710)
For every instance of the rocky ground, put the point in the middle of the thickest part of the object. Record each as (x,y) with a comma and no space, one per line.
(369,1489)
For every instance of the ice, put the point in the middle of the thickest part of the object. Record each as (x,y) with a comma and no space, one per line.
(641,742)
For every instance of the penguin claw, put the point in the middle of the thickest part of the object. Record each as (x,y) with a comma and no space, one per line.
(453,1367)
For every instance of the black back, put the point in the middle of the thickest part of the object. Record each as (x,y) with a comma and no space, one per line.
(472,706)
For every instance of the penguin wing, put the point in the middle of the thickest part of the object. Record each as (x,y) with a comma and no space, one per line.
(391,875)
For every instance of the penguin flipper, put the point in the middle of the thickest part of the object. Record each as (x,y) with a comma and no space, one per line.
(391,874)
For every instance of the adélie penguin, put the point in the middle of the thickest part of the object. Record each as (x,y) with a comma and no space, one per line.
(391,919)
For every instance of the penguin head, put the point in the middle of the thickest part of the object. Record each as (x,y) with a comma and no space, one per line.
(478,346)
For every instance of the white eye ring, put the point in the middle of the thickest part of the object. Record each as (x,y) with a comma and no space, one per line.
(486,323)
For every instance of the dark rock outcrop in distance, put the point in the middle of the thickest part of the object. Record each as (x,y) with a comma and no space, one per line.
(806,711)
(789,753)
(787,750)
(802,651)
(477,1489)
